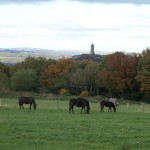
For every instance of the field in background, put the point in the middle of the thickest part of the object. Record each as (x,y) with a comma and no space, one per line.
(52,127)
(63,104)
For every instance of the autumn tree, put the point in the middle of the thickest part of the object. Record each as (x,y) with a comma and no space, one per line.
(56,76)
(144,72)
(119,73)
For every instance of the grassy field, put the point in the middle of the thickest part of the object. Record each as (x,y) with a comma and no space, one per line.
(51,127)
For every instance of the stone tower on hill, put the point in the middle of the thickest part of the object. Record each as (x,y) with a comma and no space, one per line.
(92,49)
(89,56)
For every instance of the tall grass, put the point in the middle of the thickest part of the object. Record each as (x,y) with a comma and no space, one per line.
(52,127)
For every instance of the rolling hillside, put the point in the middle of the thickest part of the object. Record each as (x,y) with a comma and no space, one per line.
(11,56)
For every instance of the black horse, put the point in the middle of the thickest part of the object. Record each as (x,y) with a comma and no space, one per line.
(107,104)
(27,100)
(79,102)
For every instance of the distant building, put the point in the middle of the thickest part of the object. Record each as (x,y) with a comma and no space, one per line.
(92,49)
(89,56)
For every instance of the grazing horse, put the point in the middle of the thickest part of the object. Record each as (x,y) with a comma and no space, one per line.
(27,100)
(107,104)
(114,101)
(79,102)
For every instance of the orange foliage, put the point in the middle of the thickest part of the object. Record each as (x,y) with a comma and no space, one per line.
(121,69)
(51,73)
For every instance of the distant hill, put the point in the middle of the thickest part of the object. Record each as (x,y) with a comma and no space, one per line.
(14,55)
(94,57)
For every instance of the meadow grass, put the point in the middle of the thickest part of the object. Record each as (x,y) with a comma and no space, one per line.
(51,127)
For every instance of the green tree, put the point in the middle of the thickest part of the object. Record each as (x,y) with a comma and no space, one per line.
(25,80)
(144,72)
(84,78)
(38,64)
(90,72)
(78,79)
(5,69)
(4,82)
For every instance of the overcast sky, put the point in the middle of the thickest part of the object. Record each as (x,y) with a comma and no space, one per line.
(112,25)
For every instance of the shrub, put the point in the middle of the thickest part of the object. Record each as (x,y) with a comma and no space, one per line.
(25,80)
(64,92)
(84,94)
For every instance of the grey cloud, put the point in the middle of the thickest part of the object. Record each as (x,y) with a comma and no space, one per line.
(86,1)
(116,1)
(23,1)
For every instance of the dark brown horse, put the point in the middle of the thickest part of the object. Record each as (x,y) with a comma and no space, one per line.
(79,102)
(27,100)
(107,104)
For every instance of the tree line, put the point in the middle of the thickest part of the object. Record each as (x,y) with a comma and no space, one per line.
(118,75)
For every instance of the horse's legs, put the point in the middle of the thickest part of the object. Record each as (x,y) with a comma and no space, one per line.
(102,108)
(109,109)
(30,106)
(81,109)
(114,109)
(85,111)
(71,109)
(22,106)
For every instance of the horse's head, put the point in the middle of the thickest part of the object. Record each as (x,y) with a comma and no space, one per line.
(117,104)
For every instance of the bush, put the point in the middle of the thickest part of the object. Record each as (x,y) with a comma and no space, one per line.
(25,80)
(84,94)
(146,99)
(64,92)
(4,81)
(135,96)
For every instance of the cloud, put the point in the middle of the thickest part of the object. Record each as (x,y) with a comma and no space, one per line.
(22,1)
(75,24)
(86,1)
(116,1)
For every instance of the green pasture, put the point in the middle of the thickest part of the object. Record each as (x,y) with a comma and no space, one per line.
(51,127)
